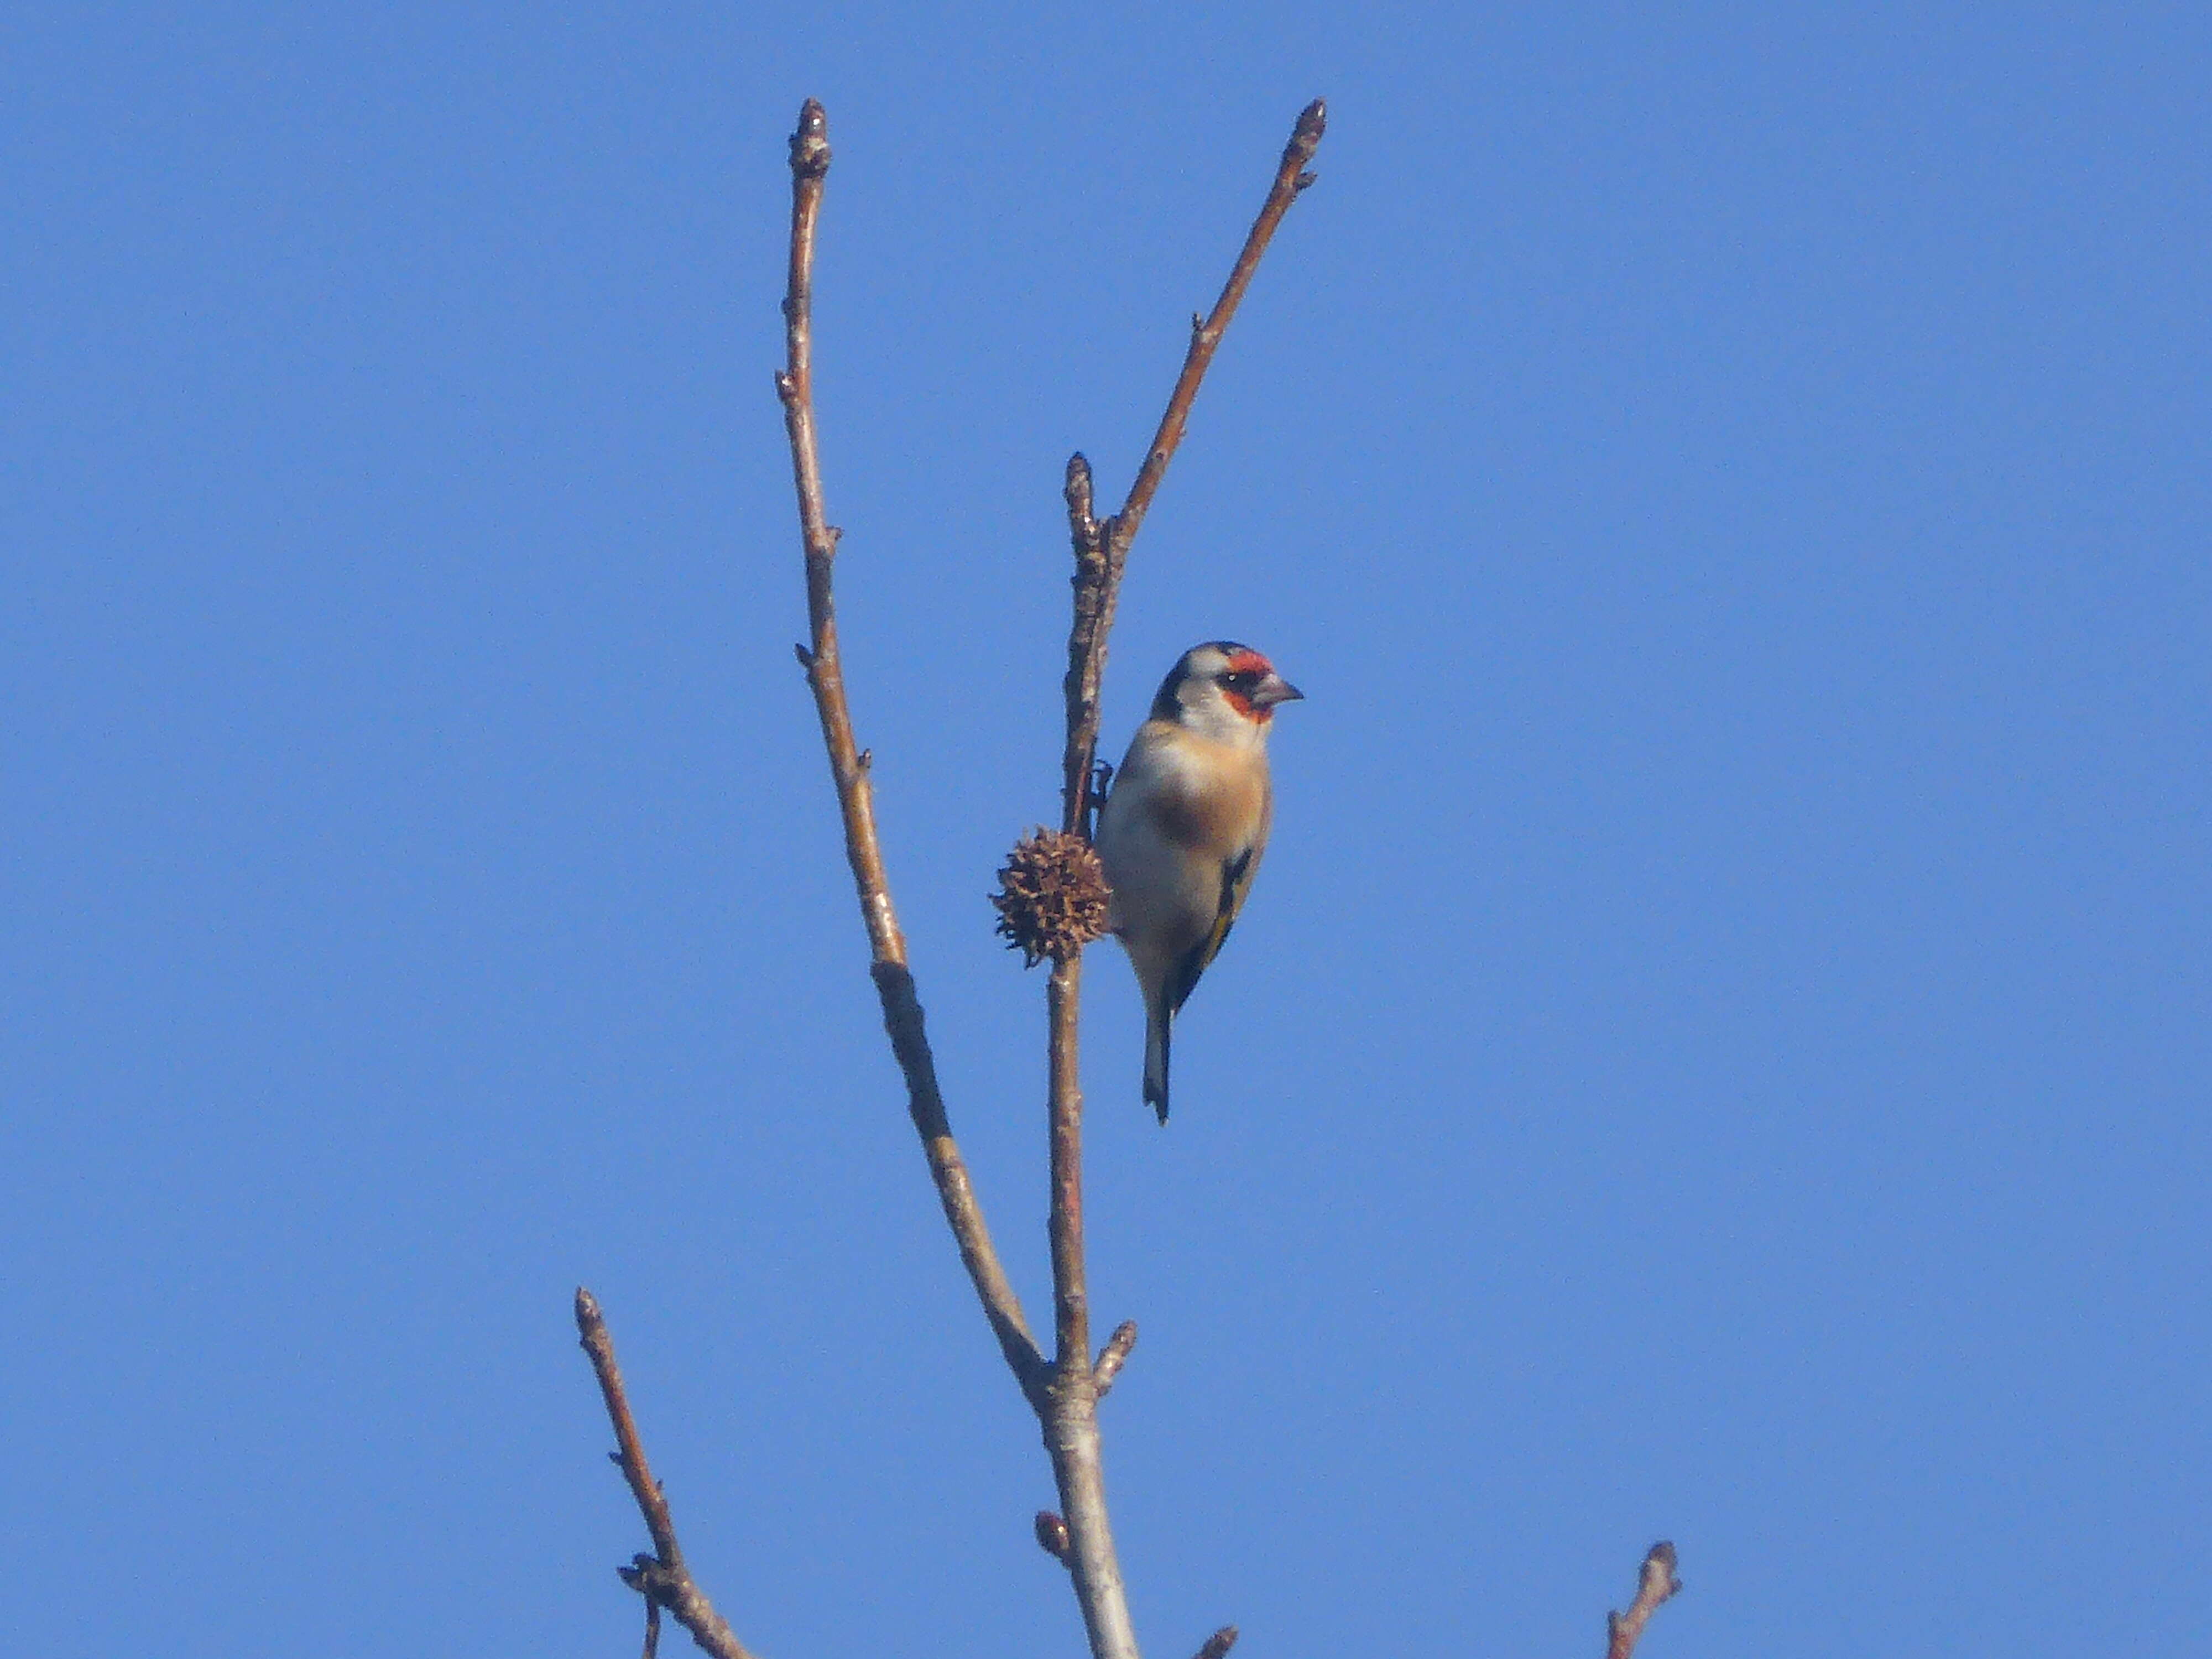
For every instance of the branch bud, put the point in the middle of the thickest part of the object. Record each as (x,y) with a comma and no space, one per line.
(1052,1535)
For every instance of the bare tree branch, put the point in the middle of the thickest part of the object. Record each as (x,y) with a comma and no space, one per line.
(1070,1410)
(661,1577)
(1102,548)
(1097,585)
(1655,1584)
(1217,1644)
(848,770)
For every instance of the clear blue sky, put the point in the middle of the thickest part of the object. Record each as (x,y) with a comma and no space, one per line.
(1719,1049)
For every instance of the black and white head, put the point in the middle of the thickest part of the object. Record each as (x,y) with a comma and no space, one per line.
(1225,692)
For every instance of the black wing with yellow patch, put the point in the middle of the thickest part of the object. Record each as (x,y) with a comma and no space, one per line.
(1236,882)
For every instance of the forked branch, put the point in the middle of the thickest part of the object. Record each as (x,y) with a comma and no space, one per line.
(661,1577)
(1102,546)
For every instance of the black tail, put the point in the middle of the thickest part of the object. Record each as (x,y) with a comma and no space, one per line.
(1158,1022)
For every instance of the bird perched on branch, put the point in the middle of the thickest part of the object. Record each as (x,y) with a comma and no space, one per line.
(1182,833)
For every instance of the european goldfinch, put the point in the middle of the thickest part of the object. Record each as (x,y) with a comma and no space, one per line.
(1182,830)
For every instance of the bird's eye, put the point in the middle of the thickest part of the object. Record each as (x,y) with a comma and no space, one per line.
(1243,681)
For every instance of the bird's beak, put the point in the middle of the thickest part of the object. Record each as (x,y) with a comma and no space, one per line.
(1274,690)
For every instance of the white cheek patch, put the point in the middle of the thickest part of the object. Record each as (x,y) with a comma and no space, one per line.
(1217,720)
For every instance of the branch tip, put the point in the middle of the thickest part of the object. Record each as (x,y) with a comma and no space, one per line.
(1656,1584)
(809,143)
(1219,1644)
(1077,493)
(1113,1356)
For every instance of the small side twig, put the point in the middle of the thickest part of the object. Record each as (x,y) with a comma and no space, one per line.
(661,1577)
(1112,1357)
(1655,1582)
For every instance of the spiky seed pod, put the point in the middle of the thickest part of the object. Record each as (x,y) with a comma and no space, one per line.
(1052,896)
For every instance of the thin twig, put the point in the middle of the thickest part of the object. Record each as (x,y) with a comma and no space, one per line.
(1217,1644)
(1102,552)
(1102,548)
(661,1577)
(848,770)
(1655,1584)
(1097,584)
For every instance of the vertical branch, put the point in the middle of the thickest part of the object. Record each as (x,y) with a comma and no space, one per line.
(848,770)
(1097,585)
(848,767)
(1102,552)
(1071,1301)
(1071,1412)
